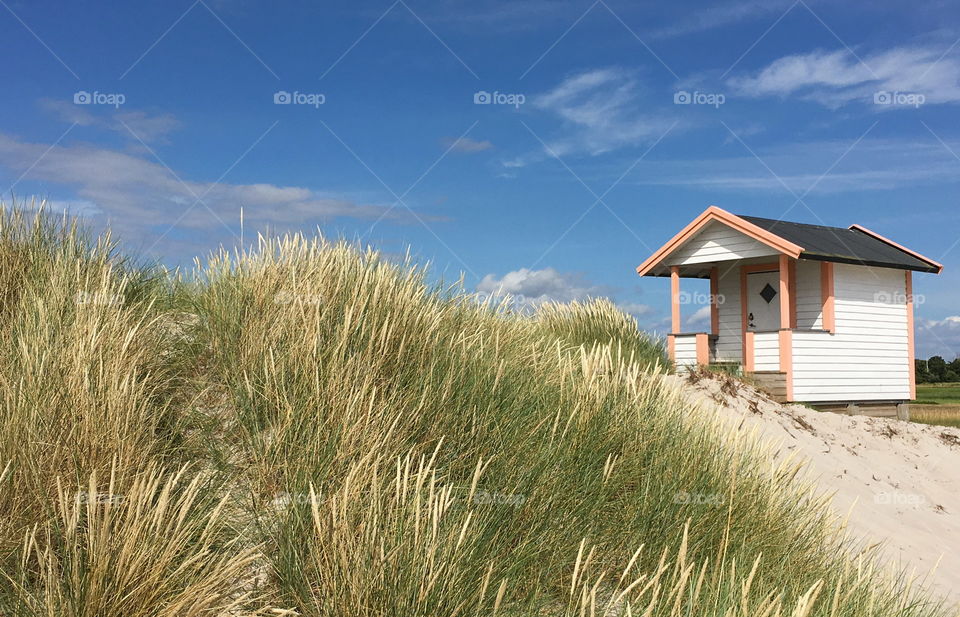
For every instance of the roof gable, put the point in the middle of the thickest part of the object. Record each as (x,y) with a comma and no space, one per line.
(717,241)
(709,215)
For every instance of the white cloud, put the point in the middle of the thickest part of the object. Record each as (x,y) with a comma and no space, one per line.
(132,124)
(635,308)
(701,316)
(465,145)
(528,288)
(137,194)
(835,78)
(602,111)
(938,337)
(536,286)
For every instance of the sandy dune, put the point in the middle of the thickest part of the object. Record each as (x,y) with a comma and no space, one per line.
(900,481)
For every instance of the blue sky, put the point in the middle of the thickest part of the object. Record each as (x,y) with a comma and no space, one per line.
(540,147)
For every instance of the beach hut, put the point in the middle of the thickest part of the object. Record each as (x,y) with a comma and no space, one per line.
(813,314)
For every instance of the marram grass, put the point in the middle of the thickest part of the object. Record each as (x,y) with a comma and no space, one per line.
(309,428)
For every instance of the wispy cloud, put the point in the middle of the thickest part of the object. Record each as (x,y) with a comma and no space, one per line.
(835,78)
(706,18)
(601,110)
(138,195)
(132,124)
(465,145)
(874,164)
(503,16)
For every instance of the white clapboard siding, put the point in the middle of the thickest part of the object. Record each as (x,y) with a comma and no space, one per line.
(731,321)
(867,358)
(717,242)
(685,350)
(809,302)
(766,351)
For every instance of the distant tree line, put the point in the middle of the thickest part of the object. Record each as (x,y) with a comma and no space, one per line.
(937,370)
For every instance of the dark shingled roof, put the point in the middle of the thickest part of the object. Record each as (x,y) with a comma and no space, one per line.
(842,245)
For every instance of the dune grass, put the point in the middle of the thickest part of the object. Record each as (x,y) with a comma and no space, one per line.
(92,407)
(310,427)
(940,415)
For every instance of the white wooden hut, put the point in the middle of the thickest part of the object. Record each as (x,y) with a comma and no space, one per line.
(814,314)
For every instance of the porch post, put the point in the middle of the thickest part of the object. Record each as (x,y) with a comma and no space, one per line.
(911,364)
(792,273)
(826,296)
(746,357)
(785,288)
(675,298)
(674,312)
(714,306)
(703,349)
(786,322)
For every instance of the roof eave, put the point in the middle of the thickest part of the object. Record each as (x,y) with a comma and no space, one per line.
(937,267)
(872,263)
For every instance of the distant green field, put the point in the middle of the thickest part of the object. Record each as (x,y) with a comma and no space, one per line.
(937,404)
(938,394)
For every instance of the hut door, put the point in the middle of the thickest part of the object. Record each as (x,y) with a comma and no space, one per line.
(763,301)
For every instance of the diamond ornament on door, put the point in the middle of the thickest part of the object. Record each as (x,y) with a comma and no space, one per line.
(768,293)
